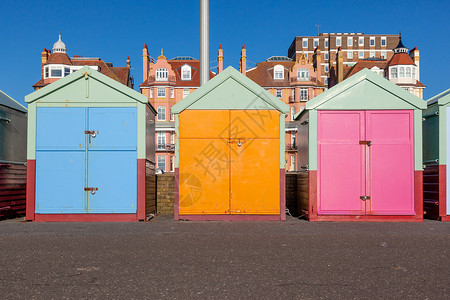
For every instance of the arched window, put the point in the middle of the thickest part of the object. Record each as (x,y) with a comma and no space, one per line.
(402,72)
(394,73)
(408,72)
(162,74)
(302,75)
(278,72)
(186,72)
(161,113)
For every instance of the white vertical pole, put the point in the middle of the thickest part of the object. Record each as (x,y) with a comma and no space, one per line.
(204,41)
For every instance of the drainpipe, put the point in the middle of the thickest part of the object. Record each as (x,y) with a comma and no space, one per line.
(204,41)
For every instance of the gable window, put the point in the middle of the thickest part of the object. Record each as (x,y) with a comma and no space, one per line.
(361,41)
(372,41)
(161,92)
(279,93)
(361,54)
(349,41)
(302,74)
(303,94)
(316,43)
(394,73)
(338,41)
(305,43)
(162,74)
(278,72)
(350,54)
(383,41)
(185,93)
(401,73)
(162,163)
(161,113)
(185,72)
(408,72)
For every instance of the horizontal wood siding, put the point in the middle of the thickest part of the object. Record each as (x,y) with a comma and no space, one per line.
(431,191)
(150,188)
(13,182)
(302,192)
(291,193)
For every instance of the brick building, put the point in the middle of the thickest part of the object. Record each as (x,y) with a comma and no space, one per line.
(165,83)
(57,64)
(293,81)
(354,47)
(403,69)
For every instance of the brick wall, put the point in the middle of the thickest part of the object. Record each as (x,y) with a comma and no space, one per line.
(165,186)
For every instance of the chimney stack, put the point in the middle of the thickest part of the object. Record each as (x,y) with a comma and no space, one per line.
(220,60)
(339,65)
(145,61)
(128,62)
(243,61)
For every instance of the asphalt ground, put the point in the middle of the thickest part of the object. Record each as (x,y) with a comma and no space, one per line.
(164,259)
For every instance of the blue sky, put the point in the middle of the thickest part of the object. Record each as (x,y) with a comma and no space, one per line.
(113,30)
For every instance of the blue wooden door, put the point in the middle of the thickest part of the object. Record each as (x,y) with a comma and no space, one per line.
(60,160)
(112,160)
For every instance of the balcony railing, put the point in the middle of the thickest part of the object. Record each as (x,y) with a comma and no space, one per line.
(165,147)
(300,79)
(291,147)
(170,79)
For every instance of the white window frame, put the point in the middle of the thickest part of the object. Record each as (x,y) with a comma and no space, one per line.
(162,74)
(292,113)
(161,140)
(186,70)
(172,117)
(338,41)
(278,72)
(383,54)
(394,73)
(326,56)
(361,54)
(383,41)
(161,92)
(305,43)
(46,72)
(326,43)
(361,41)
(172,93)
(316,43)
(161,161)
(161,113)
(413,73)
(372,53)
(350,41)
(326,69)
(304,94)
(401,72)
(185,93)
(350,55)
(372,41)
(303,74)
(408,72)
(279,93)
(151,93)
(172,138)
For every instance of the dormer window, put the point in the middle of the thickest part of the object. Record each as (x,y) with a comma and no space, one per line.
(408,72)
(162,74)
(278,72)
(302,74)
(402,72)
(46,73)
(186,72)
(414,72)
(55,72)
(66,71)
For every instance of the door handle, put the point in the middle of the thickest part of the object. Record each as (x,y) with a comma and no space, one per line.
(368,143)
(364,198)
(92,190)
(93,133)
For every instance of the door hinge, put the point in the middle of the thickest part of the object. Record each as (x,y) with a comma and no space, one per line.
(368,143)
(364,198)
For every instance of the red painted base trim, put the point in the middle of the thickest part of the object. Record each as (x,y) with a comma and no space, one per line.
(445,218)
(85,217)
(282,194)
(176,202)
(443,192)
(31,189)
(141,196)
(231,217)
(418,205)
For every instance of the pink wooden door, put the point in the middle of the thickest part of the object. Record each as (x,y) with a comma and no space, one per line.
(391,165)
(341,162)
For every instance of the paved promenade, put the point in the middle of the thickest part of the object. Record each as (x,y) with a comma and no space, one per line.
(224,260)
